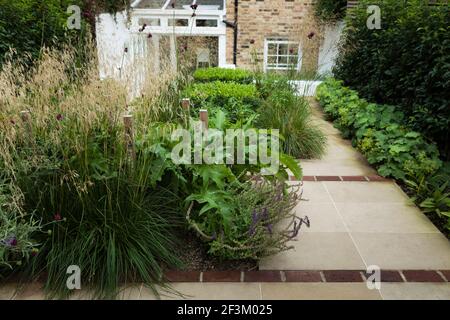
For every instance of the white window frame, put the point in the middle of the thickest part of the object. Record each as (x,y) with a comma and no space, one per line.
(276,41)
(164,14)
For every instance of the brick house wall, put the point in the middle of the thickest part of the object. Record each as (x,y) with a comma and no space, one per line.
(261,19)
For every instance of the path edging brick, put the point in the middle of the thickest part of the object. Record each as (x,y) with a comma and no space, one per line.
(329,276)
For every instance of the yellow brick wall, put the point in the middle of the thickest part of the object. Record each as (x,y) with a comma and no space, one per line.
(259,19)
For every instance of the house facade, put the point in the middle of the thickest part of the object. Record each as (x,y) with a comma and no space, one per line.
(275,34)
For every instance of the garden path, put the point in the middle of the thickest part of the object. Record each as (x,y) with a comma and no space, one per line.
(356,224)
(357,220)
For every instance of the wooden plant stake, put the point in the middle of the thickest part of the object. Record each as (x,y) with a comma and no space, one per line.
(204,119)
(186,104)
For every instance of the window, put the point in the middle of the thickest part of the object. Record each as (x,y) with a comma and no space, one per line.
(281,54)
(154,22)
(178,22)
(206,23)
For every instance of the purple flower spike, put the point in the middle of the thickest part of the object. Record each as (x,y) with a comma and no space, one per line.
(59,117)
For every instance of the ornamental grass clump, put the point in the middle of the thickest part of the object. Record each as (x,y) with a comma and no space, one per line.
(292,115)
(106,207)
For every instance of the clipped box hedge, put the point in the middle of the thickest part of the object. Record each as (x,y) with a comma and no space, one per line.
(220,92)
(379,132)
(221,74)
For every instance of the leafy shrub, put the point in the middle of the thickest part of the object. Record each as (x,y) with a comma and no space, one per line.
(250,214)
(238,100)
(222,74)
(377,131)
(330,9)
(27,25)
(405,63)
(219,197)
(290,114)
(432,194)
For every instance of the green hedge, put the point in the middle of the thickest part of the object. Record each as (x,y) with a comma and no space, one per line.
(330,9)
(239,101)
(406,63)
(27,25)
(378,132)
(221,74)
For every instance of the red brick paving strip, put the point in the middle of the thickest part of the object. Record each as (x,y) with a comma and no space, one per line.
(354,178)
(262,276)
(182,276)
(422,276)
(446,274)
(343,276)
(309,178)
(303,276)
(328,178)
(377,178)
(222,276)
(387,276)
(391,276)
(307,276)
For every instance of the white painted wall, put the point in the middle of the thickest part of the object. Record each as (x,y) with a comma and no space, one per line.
(112,38)
(329,48)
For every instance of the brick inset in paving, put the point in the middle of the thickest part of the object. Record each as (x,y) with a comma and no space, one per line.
(328,178)
(303,276)
(377,178)
(222,276)
(353,178)
(309,178)
(262,276)
(446,274)
(387,276)
(182,276)
(422,276)
(342,276)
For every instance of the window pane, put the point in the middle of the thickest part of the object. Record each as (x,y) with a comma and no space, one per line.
(272,49)
(178,22)
(154,22)
(283,60)
(206,23)
(283,49)
(293,49)
(272,59)
(293,59)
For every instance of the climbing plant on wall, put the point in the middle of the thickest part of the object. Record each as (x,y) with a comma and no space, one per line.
(327,10)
